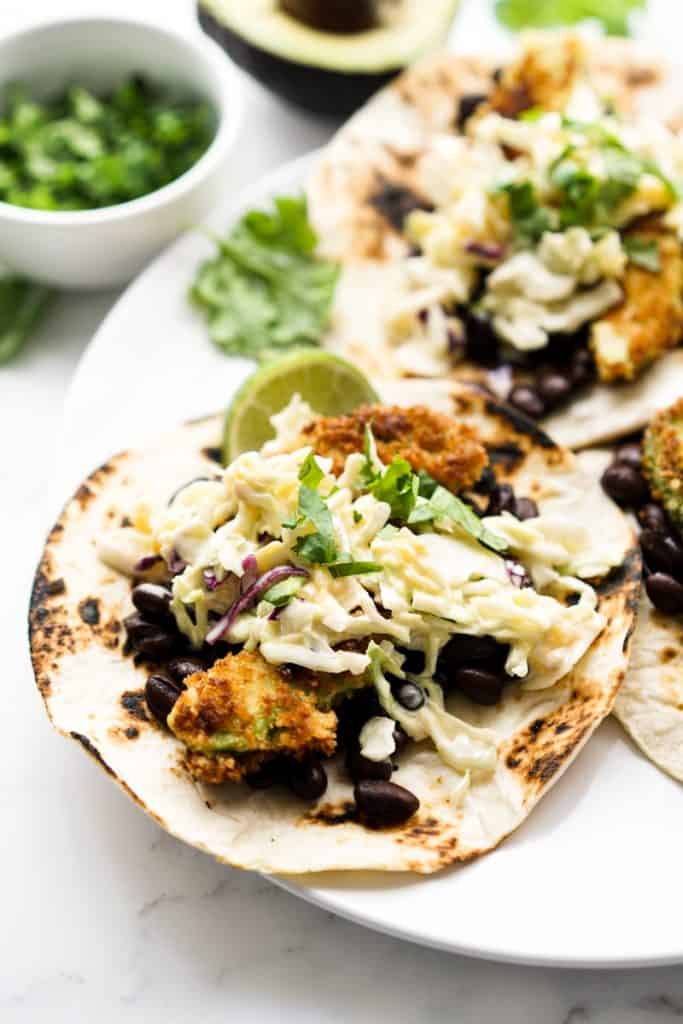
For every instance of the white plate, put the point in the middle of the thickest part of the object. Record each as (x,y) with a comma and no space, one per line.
(594,877)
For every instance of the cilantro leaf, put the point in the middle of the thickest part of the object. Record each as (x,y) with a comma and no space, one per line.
(280,594)
(613,14)
(643,252)
(265,291)
(398,487)
(529,218)
(318,547)
(444,505)
(310,473)
(351,568)
(22,303)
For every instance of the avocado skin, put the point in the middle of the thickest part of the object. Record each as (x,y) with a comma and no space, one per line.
(332,93)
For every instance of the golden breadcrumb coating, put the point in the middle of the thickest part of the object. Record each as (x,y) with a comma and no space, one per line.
(649,321)
(449,451)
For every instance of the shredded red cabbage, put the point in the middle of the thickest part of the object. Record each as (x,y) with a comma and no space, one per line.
(211,581)
(489,251)
(175,563)
(250,597)
(517,574)
(250,567)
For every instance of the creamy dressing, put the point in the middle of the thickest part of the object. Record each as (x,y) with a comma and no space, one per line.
(435,580)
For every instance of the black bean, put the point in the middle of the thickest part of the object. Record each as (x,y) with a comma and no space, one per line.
(663,553)
(526,508)
(360,767)
(581,367)
(502,499)
(665,592)
(185,666)
(486,482)
(479,684)
(401,739)
(409,695)
(153,601)
(527,400)
(414,662)
(384,804)
(625,485)
(462,649)
(629,454)
(307,779)
(148,638)
(161,693)
(269,774)
(481,342)
(468,104)
(553,387)
(653,517)
(353,713)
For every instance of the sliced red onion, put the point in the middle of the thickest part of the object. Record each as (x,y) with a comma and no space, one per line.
(250,572)
(211,581)
(517,574)
(176,564)
(146,562)
(423,316)
(489,251)
(499,381)
(250,597)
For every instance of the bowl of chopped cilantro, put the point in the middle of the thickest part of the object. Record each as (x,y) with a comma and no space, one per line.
(115,136)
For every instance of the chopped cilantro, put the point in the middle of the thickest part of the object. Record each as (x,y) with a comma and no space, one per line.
(529,218)
(643,252)
(613,14)
(357,517)
(265,291)
(443,505)
(310,473)
(397,486)
(318,547)
(77,151)
(280,594)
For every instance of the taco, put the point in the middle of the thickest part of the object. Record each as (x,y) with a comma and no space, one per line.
(649,482)
(518,226)
(374,644)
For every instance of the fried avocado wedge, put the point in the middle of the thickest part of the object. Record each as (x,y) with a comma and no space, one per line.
(663,460)
(429,619)
(242,712)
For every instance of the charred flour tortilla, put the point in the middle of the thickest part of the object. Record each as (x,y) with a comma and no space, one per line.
(650,702)
(94,693)
(369,179)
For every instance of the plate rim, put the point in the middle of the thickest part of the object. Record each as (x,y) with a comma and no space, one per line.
(290,175)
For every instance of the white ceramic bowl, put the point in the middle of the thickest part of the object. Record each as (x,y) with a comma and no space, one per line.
(107,247)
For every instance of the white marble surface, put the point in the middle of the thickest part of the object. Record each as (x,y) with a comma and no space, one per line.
(106,918)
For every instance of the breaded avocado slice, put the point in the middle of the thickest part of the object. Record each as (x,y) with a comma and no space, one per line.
(649,321)
(663,459)
(242,711)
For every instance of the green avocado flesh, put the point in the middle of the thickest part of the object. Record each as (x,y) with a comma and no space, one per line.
(328,72)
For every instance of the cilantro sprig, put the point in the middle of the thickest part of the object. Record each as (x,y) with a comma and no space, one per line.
(265,291)
(417,499)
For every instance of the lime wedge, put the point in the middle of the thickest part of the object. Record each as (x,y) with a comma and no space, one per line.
(330,385)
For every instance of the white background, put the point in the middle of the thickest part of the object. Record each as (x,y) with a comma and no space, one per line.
(106,918)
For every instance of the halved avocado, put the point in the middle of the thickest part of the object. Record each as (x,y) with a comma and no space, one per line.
(326,55)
